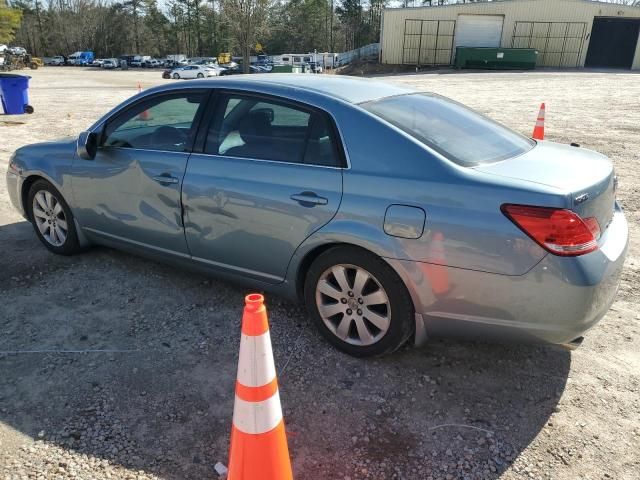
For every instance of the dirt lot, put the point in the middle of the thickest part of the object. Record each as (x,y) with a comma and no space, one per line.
(112,366)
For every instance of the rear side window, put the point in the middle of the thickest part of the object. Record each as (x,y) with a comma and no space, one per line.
(265,129)
(453,130)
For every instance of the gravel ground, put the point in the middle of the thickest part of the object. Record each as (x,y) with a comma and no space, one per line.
(115,367)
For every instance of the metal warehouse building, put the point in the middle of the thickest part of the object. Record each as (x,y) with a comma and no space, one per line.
(566,33)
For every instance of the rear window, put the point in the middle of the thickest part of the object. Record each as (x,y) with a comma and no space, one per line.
(451,129)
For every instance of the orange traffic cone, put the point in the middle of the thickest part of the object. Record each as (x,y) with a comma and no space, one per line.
(436,269)
(538,130)
(144,115)
(259,448)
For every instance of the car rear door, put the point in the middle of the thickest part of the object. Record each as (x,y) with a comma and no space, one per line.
(269,174)
(130,192)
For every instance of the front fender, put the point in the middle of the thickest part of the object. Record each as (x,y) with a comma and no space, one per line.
(52,161)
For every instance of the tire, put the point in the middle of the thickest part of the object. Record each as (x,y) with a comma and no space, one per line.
(176,76)
(47,198)
(200,75)
(343,316)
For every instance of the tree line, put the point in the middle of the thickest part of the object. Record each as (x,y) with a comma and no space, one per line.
(196,27)
(193,27)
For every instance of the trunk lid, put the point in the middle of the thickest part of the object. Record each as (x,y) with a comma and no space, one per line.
(587,176)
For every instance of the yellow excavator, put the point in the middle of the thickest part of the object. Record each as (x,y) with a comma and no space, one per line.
(18,62)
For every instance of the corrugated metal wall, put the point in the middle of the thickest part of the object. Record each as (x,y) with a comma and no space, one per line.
(559,29)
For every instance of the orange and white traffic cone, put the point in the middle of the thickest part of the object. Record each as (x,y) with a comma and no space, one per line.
(259,448)
(538,130)
(436,269)
(144,115)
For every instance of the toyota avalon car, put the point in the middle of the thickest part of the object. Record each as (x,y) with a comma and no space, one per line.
(392,214)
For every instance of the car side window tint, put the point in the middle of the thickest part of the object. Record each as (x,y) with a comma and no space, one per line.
(322,149)
(164,122)
(271,130)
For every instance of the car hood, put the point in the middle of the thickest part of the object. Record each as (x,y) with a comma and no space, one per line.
(62,149)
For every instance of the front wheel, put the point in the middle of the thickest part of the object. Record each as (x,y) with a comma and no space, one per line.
(358,302)
(200,75)
(52,219)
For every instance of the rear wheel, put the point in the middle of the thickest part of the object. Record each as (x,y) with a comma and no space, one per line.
(52,219)
(358,302)
(200,75)
(176,76)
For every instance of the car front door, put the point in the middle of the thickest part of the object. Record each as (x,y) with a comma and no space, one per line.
(130,192)
(268,176)
(189,72)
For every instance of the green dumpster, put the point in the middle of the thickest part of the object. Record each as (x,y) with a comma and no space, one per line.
(282,69)
(496,58)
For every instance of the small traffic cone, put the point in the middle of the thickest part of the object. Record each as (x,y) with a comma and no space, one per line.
(436,269)
(538,130)
(259,448)
(144,115)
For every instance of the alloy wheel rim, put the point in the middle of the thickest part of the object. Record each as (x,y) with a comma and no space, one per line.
(353,304)
(50,218)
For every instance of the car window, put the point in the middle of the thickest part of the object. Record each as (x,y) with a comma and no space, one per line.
(261,129)
(164,122)
(453,130)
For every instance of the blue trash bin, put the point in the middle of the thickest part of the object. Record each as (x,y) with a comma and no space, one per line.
(14,94)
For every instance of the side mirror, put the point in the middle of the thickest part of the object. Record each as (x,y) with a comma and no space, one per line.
(87,145)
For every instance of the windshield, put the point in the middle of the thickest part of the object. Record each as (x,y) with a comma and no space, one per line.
(453,130)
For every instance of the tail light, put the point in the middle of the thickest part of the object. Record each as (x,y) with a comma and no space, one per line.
(559,231)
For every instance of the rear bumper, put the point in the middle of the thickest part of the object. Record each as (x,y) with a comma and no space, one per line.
(557,301)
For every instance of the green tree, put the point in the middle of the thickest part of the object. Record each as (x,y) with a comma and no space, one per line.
(9,22)
(247,22)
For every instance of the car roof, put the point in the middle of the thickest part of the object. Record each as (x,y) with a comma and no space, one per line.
(349,89)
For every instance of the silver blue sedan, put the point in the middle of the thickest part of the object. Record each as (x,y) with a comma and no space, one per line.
(392,214)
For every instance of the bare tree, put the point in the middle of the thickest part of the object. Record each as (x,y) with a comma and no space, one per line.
(247,21)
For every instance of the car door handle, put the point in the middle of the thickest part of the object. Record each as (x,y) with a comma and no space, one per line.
(166,179)
(309,199)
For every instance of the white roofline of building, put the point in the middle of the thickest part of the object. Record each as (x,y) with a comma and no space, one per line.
(591,2)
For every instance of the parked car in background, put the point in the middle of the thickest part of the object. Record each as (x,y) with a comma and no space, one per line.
(58,60)
(139,61)
(16,50)
(437,221)
(175,60)
(126,58)
(81,58)
(98,62)
(232,69)
(110,63)
(194,71)
(152,63)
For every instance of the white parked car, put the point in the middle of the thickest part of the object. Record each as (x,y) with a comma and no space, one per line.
(110,63)
(194,71)
(57,60)
(17,50)
(97,62)
(153,63)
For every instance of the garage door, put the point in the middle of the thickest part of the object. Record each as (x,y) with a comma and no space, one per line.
(479,30)
(613,42)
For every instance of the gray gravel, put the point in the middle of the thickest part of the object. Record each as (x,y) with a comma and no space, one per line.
(112,366)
